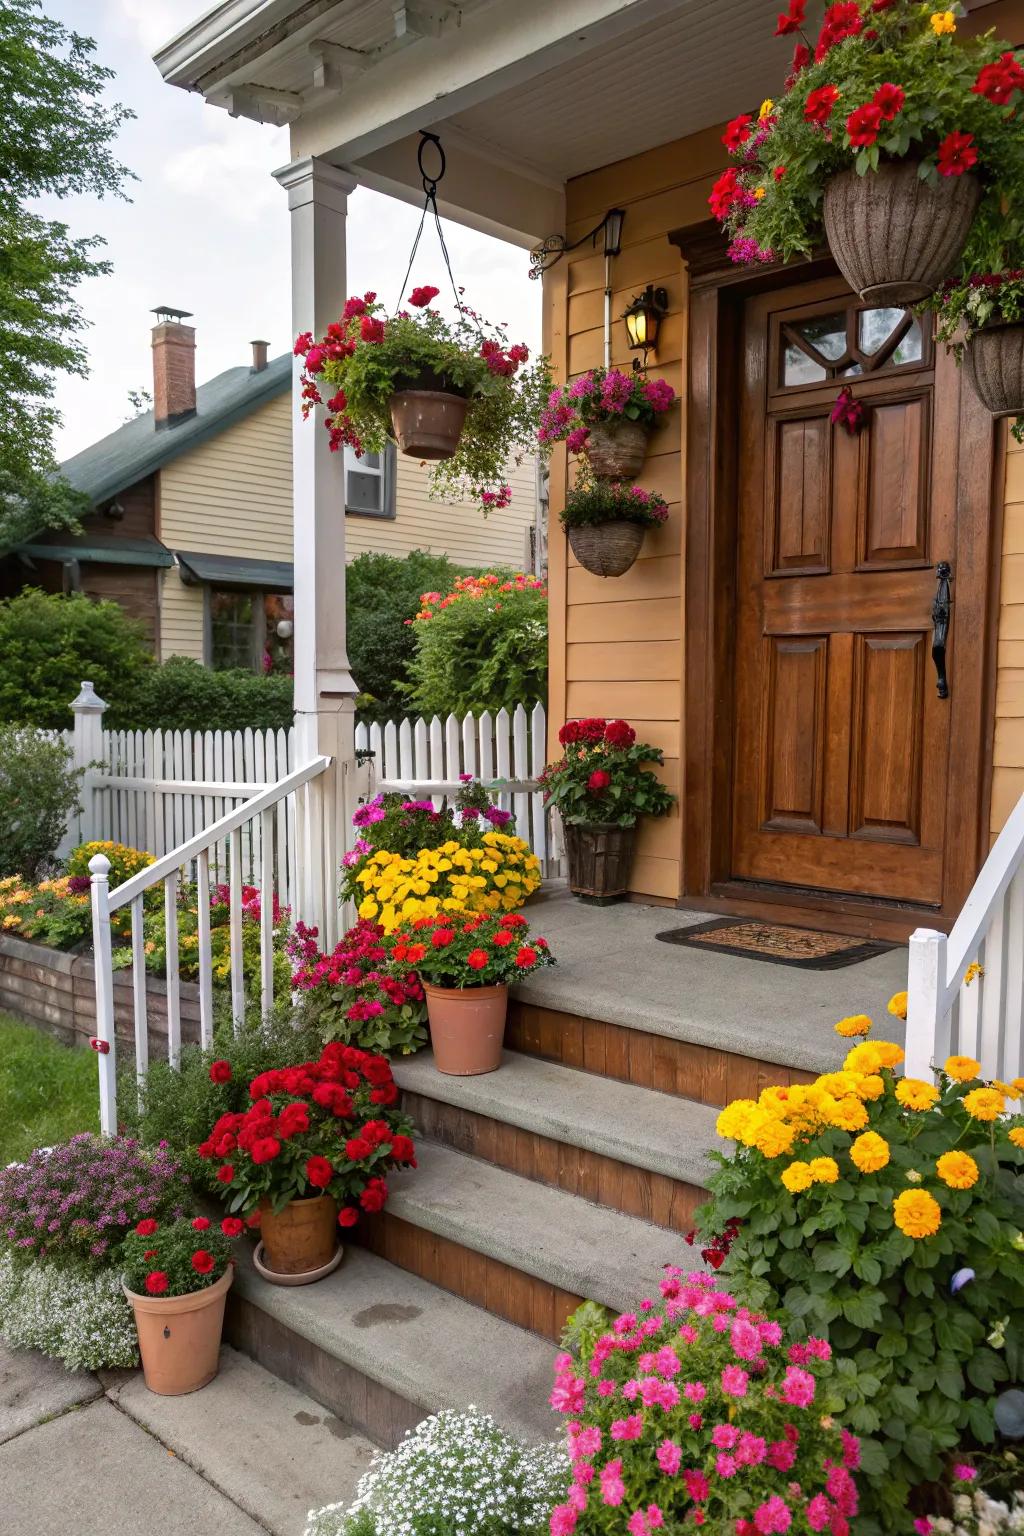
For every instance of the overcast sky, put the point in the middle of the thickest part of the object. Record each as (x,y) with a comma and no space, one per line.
(207,230)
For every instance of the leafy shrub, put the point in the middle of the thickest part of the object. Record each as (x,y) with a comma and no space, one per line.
(696,1414)
(38,792)
(382,593)
(69,1312)
(52,912)
(884,1213)
(183,695)
(50,642)
(592,503)
(357,994)
(484,646)
(456,1474)
(176,1258)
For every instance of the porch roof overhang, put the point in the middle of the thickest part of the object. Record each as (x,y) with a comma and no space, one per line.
(234,571)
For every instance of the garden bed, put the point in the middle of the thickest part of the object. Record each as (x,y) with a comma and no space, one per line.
(55,989)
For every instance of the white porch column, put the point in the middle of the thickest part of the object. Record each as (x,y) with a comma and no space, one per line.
(324,687)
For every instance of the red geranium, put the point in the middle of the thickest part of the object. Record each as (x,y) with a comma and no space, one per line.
(819,104)
(146,1227)
(599,780)
(957,154)
(737,132)
(477,959)
(526,958)
(419,297)
(202,1261)
(617,733)
(220,1072)
(793,19)
(225,1173)
(265,1149)
(319,1172)
(156,1282)
(358,1148)
(724,194)
(232,1226)
(347,1216)
(200,1223)
(863,124)
(889,99)
(371,330)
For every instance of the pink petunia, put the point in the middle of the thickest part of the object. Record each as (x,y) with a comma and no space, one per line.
(669,1457)
(630,1428)
(735,1381)
(774,1515)
(613,1489)
(798,1387)
(563,1520)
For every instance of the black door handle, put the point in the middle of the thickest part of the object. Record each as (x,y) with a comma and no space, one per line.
(942,609)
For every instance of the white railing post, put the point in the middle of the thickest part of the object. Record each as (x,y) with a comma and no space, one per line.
(105,1038)
(87,749)
(926,1001)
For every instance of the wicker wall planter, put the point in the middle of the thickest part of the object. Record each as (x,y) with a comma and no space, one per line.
(600,858)
(895,237)
(994,360)
(617,449)
(607,549)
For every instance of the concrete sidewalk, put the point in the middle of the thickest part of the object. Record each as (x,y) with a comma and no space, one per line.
(246,1455)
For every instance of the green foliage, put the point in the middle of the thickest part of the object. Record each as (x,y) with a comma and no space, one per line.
(171,1258)
(47,1091)
(38,792)
(602,777)
(56,138)
(937,72)
(590,503)
(485,648)
(382,593)
(584,1327)
(50,642)
(183,695)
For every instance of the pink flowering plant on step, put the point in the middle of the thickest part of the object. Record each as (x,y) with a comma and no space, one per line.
(598,397)
(693,1412)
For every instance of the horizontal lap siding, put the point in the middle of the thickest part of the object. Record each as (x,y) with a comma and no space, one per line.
(1008,748)
(617,647)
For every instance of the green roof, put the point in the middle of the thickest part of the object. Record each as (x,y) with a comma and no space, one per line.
(235,571)
(102,549)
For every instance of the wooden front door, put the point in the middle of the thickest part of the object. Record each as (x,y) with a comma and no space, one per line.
(841,742)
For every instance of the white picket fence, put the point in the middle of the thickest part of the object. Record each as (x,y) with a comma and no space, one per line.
(983,1017)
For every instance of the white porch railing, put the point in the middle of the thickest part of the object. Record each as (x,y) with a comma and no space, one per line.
(308,794)
(984,1017)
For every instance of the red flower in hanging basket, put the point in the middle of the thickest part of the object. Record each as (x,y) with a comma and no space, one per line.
(420,297)
(793,19)
(957,154)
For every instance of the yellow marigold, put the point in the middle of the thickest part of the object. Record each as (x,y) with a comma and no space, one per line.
(838,1084)
(890,1054)
(734,1119)
(864,1058)
(917,1213)
(856,1024)
(870,1152)
(942,22)
(897,1005)
(797,1177)
(1017,1136)
(963,1068)
(869,1087)
(973,971)
(766,109)
(984,1103)
(848,1115)
(824,1170)
(914,1093)
(774,1138)
(1018,1088)
(957,1169)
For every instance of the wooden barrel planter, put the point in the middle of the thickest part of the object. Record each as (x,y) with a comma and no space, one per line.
(895,237)
(994,360)
(600,858)
(617,449)
(607,549)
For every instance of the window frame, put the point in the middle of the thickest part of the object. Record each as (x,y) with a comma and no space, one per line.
(388,478)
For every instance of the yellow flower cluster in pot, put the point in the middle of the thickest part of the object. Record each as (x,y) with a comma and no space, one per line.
(496,877)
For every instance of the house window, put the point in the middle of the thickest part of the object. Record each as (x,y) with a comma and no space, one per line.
(244,627)
(370,483)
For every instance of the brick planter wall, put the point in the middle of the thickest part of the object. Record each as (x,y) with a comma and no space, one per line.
(54,990)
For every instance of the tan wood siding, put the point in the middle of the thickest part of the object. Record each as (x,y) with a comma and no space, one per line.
(1008,747)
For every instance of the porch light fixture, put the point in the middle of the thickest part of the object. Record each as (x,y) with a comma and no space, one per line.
(643,318)
(554,247)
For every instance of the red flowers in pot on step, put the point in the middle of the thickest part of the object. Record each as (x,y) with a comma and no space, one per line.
(466,962)
(454,391)
(314,1146)
(606,521)
(177,1276)
(601,786)
(607,415)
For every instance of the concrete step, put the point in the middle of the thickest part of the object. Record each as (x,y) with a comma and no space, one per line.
(382,1348)
(570,1248)
(639,1151)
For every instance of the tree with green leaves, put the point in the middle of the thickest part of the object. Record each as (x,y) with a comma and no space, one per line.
(56,140)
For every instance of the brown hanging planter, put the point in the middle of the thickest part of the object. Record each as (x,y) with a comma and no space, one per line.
(994,361)
(428,422)
(600,857)
(617,449)
(895,237)
(607,549)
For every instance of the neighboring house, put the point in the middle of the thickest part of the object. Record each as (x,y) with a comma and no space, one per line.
(775,637)
(192,523)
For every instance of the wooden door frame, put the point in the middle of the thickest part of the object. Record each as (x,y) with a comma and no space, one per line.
(718,291)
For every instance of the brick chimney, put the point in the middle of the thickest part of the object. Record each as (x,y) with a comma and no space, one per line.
(259,355)
(174,367)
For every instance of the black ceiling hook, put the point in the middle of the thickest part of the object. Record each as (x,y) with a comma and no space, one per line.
(430,182)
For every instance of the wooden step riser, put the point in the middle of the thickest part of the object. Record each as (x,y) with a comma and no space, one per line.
(654,1197)
(489,1283)
(649,1061)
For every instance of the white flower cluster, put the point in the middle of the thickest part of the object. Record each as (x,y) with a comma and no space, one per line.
(978,1515)
(456,1473)
(72,1315)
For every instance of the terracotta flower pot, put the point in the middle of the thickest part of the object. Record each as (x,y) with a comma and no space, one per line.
(179,1336)
(428,422)
(617,449)
(994,360)
(600,856)
(467,1027)
(895,237)
(302,1237)
(607,549)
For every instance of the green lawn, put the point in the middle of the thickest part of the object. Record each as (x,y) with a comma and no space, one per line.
(48,1091)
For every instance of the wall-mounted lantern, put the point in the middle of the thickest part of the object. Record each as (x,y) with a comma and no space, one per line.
(643,319)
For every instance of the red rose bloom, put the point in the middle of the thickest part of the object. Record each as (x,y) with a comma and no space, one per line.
(292,1121)
(793,20)
(370,329)
(376,1070)
(477,959)
(569,734)
(386,1095)
(957,154)
(889,100)
(232,1226)
(819,104)
(200,1223)
(358,1148)
(156,1282)
(402,1150)
(863,124)
(220,1072)
(376,1132)
(526,957)
(374,1196)
(225,1173)
(348,1216)
(319,1172)
(421,296)
(146,1227)
(617,733)
(737,132)
(265,1149)
(598,780)
(441,937)
(202,1261)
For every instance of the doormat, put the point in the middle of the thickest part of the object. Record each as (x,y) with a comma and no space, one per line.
(777,942)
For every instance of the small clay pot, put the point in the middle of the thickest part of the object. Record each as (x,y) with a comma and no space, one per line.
(428,422)
(617,449)
(179,1336)
(994,362)
(600,857)
(607,549)
(302,1237)
(467,1027)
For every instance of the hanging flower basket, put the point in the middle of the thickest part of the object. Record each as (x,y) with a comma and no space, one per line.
(608,549)
(607,416)
(994,360)
(605,523)
(617,449)
(981,320)
(895,236)
(428,421)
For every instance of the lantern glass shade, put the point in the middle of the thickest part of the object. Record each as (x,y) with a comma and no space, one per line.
(643,318)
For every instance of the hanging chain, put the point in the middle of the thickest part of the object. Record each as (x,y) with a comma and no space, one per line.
(430,206)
